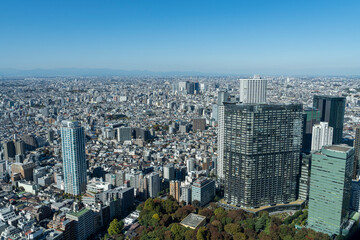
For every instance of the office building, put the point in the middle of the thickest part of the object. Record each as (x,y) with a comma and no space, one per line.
(190,165)
(199,124)
(253,90)
(262,144)
(322,135)
(169,172)
(24,169)
(153,184)
(84,223)
(332,110)
(357,153)
(355,196)
(175,190)
(124,134)
(330,188)
(30,142)
(203,190)
(311,117)
(186,194)
(73,155)
(9,150)
(19,147)
(304,182)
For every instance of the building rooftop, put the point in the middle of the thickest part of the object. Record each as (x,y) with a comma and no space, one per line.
(79,213)
(193,220)
(339,148)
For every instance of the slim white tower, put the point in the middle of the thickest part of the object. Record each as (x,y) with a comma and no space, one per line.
(253,90)
(322,135)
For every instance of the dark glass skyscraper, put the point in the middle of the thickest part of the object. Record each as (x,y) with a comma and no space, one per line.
(332,110)
(262,144)
(311,117)
(357,153)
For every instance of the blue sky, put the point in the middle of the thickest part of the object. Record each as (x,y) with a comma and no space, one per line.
(266,37)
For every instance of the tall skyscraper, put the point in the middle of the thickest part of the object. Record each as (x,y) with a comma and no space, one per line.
(73,154)
(357,153)
(332,110)
(311,117)
(330,188)
(262,144)
(322,135)
(253,90)
(222,97)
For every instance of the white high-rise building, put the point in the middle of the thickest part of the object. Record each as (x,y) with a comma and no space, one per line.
(190,165)
(322,135)
(253,90)
(73,154)
(221,129)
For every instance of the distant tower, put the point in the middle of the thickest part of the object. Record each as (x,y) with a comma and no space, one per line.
(322,135)
(153,184)
(332,110)
(73,154)
(253,90)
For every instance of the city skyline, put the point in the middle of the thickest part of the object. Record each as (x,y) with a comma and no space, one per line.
(316,38)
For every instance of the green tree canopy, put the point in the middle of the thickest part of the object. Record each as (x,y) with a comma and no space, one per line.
(115,227)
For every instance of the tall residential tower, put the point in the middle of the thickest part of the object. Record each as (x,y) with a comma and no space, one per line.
(73,154)
(261,153)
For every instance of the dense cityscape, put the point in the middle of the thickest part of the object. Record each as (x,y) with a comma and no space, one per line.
(250,157)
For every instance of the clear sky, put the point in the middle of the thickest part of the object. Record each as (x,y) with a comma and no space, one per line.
(266,37)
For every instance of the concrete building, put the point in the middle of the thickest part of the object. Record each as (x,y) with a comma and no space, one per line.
(332,110)
(24,169)
(73,154)
(253,90)
(175,190)
(190,164)
(124,134)
(304,182)
(330,188)
(84,223)
(262,144)
(169,172)
(357,154)
(186,194)
(9,150)
(199,124)
(203,190)
(153,184)
(322,135)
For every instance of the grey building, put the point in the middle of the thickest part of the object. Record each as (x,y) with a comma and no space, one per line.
(203,190)
(169,172)
(304,182)
(199,124)
(9,150)
(186,194)
(332,110)
(124,134)
(153,184)
(357,153)
(262,144)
